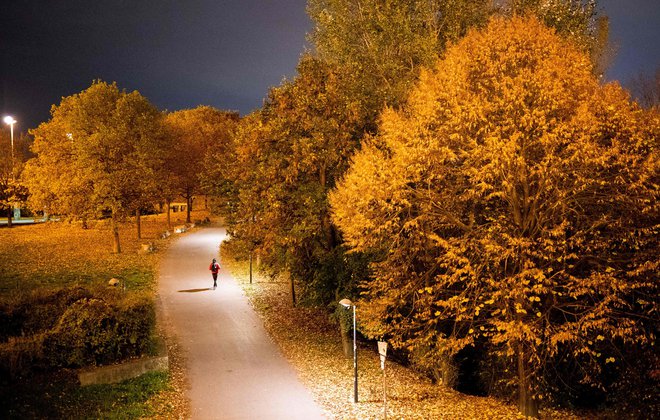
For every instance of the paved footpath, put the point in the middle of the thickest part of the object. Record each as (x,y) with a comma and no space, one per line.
(235,371)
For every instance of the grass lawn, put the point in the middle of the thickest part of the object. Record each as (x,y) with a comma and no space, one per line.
(58,396)
(56,254)
(312,344)
(60,254)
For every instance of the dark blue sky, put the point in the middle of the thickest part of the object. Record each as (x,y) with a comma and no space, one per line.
(635,33)
(183,53)
(177,53)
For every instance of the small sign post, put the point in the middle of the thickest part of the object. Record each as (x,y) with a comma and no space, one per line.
(382,352)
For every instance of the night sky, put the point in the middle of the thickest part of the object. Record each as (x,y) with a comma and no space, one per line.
(184,53)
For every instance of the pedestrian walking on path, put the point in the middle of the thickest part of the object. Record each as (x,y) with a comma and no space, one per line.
(214,267)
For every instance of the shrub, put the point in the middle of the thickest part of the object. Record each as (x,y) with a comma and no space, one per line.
(136,321)
(82,336)
(93,331)
(73,328)
(37,311)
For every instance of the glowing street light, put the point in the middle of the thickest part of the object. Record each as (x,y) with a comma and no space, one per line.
(10,121)
(346,303)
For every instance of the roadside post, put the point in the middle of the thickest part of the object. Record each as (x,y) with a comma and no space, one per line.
(346,303)
(382,352)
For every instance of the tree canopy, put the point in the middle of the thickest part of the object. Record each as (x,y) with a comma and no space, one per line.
(286,157)
(194,134)
(513,203)
(380,46)
(101,151)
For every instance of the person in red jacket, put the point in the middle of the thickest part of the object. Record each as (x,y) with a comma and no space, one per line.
(214,267)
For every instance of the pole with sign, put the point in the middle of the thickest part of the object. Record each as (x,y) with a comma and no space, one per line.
(382,352)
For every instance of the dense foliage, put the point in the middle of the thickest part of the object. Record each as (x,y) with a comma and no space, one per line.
(194,133)
(72,328)
(101,151)
(380,46)
(514,203)
(286,158)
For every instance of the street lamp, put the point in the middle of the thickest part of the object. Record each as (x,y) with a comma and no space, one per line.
(346,303)
(9,120)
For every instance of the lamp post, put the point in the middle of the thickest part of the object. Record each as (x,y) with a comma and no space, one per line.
(9,120)
(346,303)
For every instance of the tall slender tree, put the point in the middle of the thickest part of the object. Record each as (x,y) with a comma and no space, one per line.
(288,156)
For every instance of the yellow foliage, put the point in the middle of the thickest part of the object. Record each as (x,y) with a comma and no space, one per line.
(511,177)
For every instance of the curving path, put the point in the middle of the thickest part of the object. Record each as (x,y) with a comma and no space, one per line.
(235,371)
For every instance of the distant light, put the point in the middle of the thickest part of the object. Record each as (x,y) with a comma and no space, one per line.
(9,120)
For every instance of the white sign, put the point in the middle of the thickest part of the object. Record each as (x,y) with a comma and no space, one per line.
(382,351)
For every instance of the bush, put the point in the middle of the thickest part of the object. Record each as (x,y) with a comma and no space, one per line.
(36,312)
(93,331)
(73,327)
(136,324)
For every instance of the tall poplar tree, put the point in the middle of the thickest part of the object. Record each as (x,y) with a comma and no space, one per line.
(381,46)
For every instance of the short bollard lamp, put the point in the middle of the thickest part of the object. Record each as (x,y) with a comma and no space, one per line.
(346,303)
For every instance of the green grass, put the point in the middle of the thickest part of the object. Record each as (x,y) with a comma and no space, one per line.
(125,400)
(51,256)
(58,396)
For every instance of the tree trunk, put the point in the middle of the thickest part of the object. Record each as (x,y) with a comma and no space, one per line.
(138,221)
(527,405)
(84,223)
(329,232)
(346,343)
(326,224)
(116,248)
(293,290)
(188,206)
(10,214)
(169,219)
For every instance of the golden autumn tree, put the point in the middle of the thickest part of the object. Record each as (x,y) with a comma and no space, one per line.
(513,202)
(12,160)
(195,133)
(101,151)
(285,159)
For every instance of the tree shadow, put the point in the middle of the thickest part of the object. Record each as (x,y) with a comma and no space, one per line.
(195,290)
